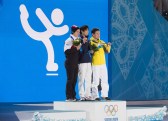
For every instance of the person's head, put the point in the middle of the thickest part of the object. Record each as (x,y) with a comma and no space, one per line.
(95,33)
(75,30)
(84,30)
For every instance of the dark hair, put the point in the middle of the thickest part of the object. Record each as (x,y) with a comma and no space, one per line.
(83,28)
(94,30)
(74,28)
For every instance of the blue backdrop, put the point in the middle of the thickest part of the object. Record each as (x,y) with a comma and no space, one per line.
(138,66)
(23,59)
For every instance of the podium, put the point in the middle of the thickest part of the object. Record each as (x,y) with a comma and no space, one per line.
(96,110)
(146,113)
(55,115)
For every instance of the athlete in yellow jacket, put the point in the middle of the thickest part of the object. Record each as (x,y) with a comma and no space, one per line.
(99,48)
(99,68)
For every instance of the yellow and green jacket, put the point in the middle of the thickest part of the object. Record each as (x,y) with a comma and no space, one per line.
(99,47)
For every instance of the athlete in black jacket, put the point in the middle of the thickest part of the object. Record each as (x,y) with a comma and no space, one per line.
(71,63)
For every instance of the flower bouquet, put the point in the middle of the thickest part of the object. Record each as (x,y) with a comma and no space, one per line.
(94,47)
(76,42)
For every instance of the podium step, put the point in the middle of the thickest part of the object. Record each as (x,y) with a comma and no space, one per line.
(146,113)
(96,111)
(55,115)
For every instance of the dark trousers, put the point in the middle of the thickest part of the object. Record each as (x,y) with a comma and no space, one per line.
(72,73)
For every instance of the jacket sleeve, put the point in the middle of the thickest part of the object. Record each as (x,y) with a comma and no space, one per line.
(85,47)
(93,46)
(71,50)
(107,48)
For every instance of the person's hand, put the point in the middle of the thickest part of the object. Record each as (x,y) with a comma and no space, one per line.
(84,40)
(91,51)
(78,47)
(109,43)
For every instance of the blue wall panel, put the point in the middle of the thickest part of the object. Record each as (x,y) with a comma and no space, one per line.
(23,59)
(138,63)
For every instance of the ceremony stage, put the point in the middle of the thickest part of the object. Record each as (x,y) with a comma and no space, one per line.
(81,111)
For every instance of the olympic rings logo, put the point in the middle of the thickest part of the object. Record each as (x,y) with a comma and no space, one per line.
(111,110)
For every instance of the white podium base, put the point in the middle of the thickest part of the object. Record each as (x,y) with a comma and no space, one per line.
(55,115)
(96,110)
(144,111)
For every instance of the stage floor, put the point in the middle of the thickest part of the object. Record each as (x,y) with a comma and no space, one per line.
(24,111)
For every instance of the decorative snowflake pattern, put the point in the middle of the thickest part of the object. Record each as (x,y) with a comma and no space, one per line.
(128,32)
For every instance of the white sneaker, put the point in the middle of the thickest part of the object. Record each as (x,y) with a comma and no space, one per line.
(88,98)
(82,99)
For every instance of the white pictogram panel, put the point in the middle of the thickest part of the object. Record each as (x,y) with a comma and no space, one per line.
(57,18)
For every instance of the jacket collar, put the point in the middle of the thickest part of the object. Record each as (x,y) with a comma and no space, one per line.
(73,37)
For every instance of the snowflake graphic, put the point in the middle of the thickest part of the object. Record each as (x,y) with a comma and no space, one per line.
(128,32)
(147,82)
(156,76)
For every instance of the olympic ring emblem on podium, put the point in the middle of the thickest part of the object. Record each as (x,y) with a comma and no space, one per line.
(111,110)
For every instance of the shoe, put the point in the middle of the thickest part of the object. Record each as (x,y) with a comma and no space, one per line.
(70,100)
(75,99)
(106,98)
(82,99)
(88,98)
(97,99)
